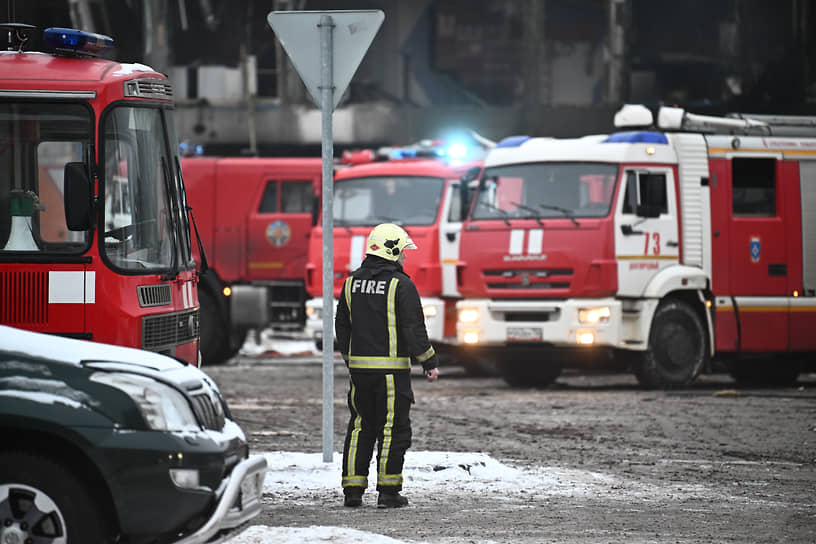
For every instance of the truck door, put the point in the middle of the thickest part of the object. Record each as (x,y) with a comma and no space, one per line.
(278,231)
(758,254)
(646,227)
(450,226)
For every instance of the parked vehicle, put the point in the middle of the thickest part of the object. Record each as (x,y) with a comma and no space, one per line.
(103,444)
(94,235)
(416,187)
(655,249)
(253,217)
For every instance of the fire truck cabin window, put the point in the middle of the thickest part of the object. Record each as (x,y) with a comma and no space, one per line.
(753,185)
(296,196)
(36,142)
(650,189)
(269,200)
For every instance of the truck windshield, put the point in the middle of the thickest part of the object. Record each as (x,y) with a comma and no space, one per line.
(144,221)
(553,189)
(36,141)
(404,200)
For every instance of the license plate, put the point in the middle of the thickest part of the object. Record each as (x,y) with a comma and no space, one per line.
(524,334)
(251,488)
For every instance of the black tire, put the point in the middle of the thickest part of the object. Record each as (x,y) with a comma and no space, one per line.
(764,372)
(678,348)
(526,373)
(215,338)
(42,501)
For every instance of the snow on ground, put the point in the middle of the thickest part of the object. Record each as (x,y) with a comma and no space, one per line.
(303,478)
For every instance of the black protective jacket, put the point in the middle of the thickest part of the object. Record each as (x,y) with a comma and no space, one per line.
(379,323)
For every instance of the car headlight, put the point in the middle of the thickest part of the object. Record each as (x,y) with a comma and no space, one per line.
(468,315)
(163,408)
(593,316)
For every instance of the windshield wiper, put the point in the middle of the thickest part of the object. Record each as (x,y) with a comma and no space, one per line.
(494,207)
(565,211)
(524,207)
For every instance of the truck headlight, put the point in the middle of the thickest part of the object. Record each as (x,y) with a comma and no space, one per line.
(468,315)
(313,313)
(429,311)
(593,316)
(163,408)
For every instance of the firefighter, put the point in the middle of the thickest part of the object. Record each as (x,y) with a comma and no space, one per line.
(380,331)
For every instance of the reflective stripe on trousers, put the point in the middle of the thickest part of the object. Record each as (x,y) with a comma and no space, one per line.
(379,406)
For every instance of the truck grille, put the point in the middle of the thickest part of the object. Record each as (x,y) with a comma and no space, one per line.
(546,278)
(162,331)
(154,295)
(149,88)
(25,298)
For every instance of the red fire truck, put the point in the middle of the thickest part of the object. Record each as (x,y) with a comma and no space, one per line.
(662,249)
(254,216)
(94,235)
(416,187)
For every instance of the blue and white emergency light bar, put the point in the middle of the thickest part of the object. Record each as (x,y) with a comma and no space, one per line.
(77,41)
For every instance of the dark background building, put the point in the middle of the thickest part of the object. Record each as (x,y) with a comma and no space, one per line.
(499,67)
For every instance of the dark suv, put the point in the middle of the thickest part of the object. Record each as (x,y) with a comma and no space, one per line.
(108,444)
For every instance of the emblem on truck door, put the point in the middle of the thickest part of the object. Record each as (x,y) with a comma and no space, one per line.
(278,233)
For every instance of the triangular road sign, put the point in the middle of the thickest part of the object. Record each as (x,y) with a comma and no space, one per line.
(299,34)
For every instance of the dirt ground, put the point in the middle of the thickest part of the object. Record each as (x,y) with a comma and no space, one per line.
(706,464)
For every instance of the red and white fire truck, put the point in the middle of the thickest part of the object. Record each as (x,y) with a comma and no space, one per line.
(254,216)
(94,236)
(416,187)
(662,249)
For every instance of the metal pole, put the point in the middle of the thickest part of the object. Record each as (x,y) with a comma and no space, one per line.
(327,147)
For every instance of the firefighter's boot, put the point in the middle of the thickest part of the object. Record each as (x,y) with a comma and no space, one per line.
(353,496)
(391,500)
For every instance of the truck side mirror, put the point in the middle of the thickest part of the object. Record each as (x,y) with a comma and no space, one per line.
(78,199)
(315,209)
(464,191)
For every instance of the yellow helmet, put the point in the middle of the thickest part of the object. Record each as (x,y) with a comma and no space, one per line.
(387,241)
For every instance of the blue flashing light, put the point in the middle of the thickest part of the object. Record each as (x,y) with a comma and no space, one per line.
(457,150)
(637,137)
(71,39)
(512,141)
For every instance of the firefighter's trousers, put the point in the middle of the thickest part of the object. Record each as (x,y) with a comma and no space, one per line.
(380,406)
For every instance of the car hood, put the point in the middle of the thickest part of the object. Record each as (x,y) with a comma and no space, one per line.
(70,351)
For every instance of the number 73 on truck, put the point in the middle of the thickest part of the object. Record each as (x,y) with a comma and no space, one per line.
(660,249)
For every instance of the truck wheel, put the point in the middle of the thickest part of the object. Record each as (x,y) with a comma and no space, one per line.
(526,373)
(678,348)
(215,340)
(41,501)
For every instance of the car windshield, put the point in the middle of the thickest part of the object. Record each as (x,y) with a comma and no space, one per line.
(544,190)
(37,140)
(404,200)
(144,220)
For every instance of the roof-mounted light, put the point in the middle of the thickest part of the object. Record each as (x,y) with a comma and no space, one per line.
(77,41)
(637,137)
(634,115)
(513,141)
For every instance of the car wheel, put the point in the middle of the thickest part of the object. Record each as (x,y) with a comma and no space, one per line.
(678,348)
(41,501)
